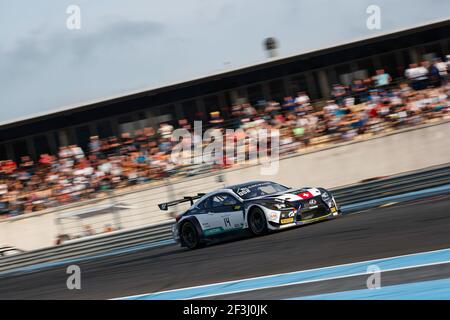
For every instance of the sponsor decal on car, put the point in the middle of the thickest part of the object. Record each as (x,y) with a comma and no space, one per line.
(288,220)
(313,204)
(213,231)
(305,195)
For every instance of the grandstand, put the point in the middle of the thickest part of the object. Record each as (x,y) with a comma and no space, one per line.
(313,72)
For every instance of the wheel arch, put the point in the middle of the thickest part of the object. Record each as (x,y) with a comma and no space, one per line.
(196,223)
(251,207)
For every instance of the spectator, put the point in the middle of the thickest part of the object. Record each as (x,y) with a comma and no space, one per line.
(302,99)
(9,167)
(359,91)
(418,76)
(94,145)
(339,92)
(45,159)
(216,119)
(438,73)
(61,238)
(183,123)
(3,189)
(382,79)
(108,228)
(289,103)
(331,107)
(165,130)
(76,152)
(448,65)
(88,231)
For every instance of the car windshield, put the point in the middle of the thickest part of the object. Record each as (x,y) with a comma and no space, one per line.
(258,189)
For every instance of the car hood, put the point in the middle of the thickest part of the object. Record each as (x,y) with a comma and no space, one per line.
(288,195)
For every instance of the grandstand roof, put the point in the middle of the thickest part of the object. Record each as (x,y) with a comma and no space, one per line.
(268,63)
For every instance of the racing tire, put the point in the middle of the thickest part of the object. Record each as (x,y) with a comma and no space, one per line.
(257,222)
(189,235)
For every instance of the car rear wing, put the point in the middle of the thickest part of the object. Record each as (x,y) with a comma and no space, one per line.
(165,206)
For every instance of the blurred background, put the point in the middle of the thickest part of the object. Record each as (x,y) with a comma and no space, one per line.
(98,167)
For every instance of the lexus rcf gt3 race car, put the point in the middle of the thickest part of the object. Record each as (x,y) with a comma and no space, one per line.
(258,207)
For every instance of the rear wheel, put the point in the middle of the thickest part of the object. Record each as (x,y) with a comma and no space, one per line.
(257,222)
(189,235)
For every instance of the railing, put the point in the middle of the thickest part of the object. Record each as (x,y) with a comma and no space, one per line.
(132,209)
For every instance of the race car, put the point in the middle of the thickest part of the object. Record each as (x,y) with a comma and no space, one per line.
(258,207)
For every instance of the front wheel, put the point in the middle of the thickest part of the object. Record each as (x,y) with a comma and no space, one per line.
(189,235)
(257,222)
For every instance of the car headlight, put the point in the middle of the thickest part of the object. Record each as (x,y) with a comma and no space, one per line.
(279,206)
(275,205)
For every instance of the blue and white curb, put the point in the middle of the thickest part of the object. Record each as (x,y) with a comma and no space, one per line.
(424,290)
(299,277)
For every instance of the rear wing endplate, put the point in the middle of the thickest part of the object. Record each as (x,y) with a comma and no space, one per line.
(165,206)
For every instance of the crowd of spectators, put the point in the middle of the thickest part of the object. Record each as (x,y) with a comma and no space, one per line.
(365,106)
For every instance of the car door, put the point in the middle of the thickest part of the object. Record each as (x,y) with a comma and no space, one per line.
(210,222)
(228,211)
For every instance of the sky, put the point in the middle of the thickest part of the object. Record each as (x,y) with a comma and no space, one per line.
(126,46)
